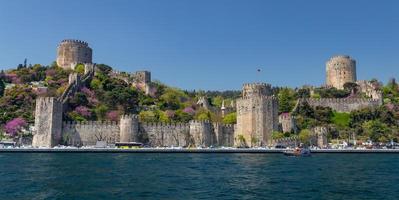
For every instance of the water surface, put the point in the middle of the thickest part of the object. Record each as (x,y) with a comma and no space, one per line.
(197,176)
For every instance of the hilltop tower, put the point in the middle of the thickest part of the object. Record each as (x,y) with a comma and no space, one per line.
(257,115)
(48,122)
(340,70)
(73,52)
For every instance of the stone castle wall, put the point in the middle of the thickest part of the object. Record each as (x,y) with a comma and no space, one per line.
(73,51)
(48,122)
(256,89)
(287,122)
(343,104)
(257,118)
(340,70)
(224,134)
(88,133)
(165,135)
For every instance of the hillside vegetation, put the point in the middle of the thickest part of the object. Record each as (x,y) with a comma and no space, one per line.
(108,97)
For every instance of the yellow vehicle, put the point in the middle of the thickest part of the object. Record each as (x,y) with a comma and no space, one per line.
(128,145)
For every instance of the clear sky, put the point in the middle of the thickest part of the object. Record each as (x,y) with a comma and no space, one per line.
(209,44)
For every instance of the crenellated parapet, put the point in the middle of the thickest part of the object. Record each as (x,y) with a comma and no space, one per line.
(88,124)
(287,122)
(74,41)
(224,134)
(165,125)
(256,89)
(343,104)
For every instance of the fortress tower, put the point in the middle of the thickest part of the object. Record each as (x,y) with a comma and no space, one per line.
(129,128)
(340,70)
(48,122)
(73,52)
(257,115)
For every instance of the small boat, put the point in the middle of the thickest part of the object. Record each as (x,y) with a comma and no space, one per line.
(297,152)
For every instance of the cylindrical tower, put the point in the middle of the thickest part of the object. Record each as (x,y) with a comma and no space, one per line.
(129,128)
(73,51)
(340,70)
(256,89)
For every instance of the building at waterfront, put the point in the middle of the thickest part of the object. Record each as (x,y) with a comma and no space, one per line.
(257,111)
(257,115)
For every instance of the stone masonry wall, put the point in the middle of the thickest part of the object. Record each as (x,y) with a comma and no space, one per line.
(257,118)
(88,133)
(162,135)
(340,70)
(73,51)
(344,104)
(48,122)
(224,134)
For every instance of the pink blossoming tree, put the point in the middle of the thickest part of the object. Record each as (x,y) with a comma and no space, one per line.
(14,126)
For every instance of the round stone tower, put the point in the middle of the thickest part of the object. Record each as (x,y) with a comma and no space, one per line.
(73,52)
(256,89)
(340,70)
(129,128)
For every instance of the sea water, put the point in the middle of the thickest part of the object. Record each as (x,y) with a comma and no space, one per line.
(198,176)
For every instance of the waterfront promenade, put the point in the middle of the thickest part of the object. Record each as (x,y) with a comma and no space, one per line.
(161,150)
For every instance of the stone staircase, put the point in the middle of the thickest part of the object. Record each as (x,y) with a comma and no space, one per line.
(76,82)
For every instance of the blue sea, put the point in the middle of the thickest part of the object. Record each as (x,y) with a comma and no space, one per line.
(198,176)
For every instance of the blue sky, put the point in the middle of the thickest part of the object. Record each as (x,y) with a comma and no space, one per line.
(209,44)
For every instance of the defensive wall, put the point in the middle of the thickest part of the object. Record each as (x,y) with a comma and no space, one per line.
(343,104)
(50,130)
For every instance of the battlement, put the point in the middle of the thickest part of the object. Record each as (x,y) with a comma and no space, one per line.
(339,58)
(342,100)
(166,125)
(259,84)
(46,100)
(129,116)
(223,125)
(88,123)
(344,104)
(256,89)
(258,97)
(74,41)
(200,122)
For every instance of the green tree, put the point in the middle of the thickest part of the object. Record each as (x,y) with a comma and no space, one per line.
(101,112)
(304,136)
(148,116)
(80,69)
(376,131)
(230,118)
(286,100)
(277,135)
(341,119)
(2,88)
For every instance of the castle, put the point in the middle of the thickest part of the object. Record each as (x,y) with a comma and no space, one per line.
(257,115)
(340,70)
(261,113)
(72,52)
(257,111)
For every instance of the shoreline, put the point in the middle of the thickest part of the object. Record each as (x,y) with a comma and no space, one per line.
(149,150)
